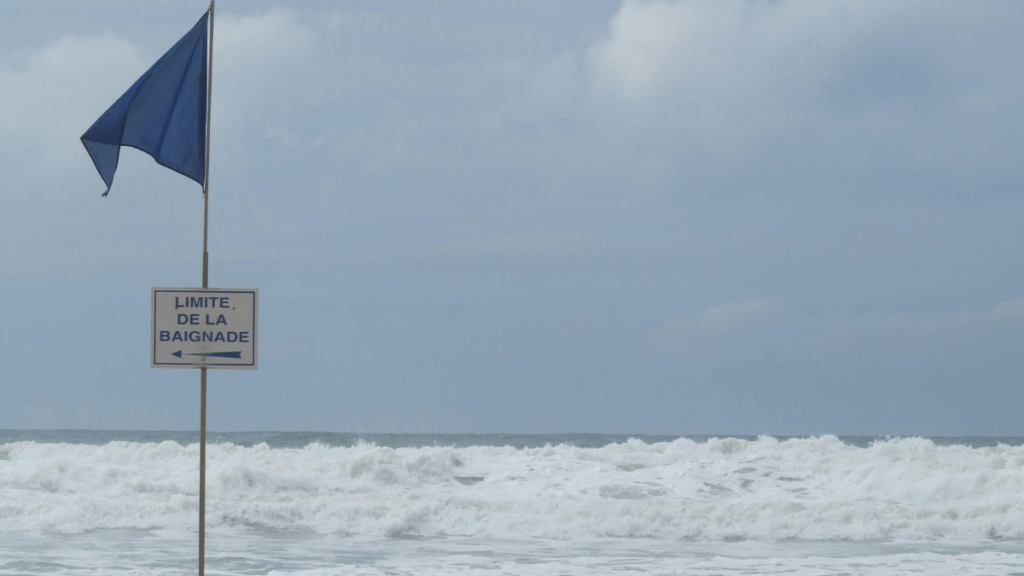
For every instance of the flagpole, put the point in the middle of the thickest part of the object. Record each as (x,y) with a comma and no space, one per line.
(206,284)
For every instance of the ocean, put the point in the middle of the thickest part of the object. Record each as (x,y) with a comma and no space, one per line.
(305,503)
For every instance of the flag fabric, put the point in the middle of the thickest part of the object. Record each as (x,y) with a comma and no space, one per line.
(163,113)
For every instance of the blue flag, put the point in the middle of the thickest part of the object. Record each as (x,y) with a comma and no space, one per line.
(163,113)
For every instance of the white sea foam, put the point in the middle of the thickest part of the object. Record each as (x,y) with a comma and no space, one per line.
(722,489)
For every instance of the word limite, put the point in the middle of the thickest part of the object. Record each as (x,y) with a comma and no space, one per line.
(202,302)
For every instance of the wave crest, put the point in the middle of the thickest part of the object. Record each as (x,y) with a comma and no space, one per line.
(724,488)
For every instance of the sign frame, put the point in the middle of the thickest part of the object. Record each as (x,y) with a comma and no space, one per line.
(203,361)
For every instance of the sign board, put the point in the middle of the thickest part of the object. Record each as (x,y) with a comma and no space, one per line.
(204,328)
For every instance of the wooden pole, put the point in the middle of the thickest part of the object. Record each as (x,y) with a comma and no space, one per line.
(206,284)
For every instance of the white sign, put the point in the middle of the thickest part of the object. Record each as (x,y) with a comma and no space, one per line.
(204,328)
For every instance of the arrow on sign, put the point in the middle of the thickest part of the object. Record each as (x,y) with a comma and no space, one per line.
(211,354)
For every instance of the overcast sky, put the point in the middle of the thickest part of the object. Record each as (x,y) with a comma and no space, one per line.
(588,216)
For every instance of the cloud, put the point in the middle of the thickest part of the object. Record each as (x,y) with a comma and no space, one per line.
(922,338)
(744,328)
(59,87)
(848,86)
(719,324)
(266,64)
(1011,311)
(737,47)
(1002,315)
(642,40)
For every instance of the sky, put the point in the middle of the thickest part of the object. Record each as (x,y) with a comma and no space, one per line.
(640,216)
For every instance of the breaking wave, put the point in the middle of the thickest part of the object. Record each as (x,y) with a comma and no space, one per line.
(721,489)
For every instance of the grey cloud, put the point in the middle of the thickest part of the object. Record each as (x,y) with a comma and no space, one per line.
(719,326)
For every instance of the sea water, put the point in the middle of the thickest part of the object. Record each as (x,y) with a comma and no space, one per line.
(316,504)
